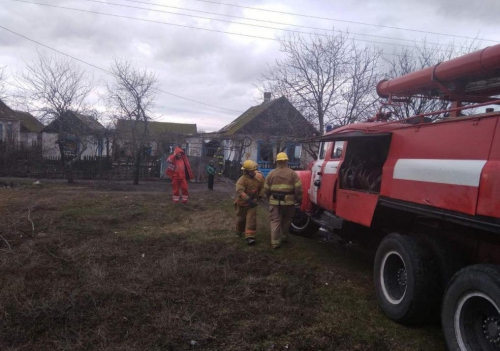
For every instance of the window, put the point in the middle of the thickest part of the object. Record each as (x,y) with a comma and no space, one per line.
(1,132)
(337,150)
(294,152)
(9,131)
(324,146)
(265,152)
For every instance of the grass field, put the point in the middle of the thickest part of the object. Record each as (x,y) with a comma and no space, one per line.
(102,266)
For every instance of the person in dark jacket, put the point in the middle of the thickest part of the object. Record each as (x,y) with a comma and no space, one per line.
(211,174)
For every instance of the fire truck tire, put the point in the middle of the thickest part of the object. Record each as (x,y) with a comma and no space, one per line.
(471,309)
(449,260)
(303,225)
(405,279)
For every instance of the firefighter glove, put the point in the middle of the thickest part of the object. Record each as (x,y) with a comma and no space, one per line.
(253,203)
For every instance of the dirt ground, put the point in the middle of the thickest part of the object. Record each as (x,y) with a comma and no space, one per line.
(112,266)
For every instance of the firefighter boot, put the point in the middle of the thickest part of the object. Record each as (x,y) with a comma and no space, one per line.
(250,241)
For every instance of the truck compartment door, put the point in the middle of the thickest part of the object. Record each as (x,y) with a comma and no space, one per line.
(356,206)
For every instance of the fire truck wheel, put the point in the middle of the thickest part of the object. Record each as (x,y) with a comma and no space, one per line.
(471,313)
(405,279)
(449,260)
(302,224)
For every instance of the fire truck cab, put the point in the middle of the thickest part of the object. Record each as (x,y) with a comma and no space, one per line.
(428,189)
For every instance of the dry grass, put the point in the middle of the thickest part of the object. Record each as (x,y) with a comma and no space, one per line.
(114,270)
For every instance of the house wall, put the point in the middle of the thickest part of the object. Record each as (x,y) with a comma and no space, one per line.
(16,128)
(195,147)
(30,139)
(49,145)
(51,149)
(253,151)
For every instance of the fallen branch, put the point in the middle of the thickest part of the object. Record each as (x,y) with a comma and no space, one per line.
(32,224)
(56,257)
(10,248)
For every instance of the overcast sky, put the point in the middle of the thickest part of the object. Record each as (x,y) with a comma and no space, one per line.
(216,68)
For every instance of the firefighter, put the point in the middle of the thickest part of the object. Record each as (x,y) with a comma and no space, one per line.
(248,191)
(179,170)
(258,174)
(283,189)
(219,155)
(211,174)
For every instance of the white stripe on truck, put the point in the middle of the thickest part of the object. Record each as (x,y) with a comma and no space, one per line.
(453,172)
(331,167)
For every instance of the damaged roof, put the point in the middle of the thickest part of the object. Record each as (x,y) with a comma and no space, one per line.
(247,117)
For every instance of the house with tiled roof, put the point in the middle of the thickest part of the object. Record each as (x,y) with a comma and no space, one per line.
(161,137)
(81,134)
(261,132)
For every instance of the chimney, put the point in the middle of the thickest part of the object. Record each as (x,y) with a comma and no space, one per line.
(267,97)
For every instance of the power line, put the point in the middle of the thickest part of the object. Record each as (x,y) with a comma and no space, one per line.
(278,23)
(173,24)
(106,71)
(244,24)
(344,21)
(144,20)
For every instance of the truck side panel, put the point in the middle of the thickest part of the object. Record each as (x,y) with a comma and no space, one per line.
(305,178)
(489,190)
(439,164)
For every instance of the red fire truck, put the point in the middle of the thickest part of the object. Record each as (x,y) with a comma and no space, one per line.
(428,189)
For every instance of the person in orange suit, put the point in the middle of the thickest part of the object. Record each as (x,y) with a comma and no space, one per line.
(179,170)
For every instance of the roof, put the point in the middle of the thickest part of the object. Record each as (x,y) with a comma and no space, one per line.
(247,117)
(277,117)
(6,113)
(90,122)
(28,122)
(157,127)
(76,122)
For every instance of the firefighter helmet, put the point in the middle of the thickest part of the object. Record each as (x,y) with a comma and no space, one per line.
(249,165)
(281,157)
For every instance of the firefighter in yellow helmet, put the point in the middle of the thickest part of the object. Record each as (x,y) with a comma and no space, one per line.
(283,188)
(259,175)
(249,189)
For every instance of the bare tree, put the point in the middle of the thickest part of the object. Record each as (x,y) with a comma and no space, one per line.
(326,77)
(131,97)
(56,89)
(422,56)
(3,84)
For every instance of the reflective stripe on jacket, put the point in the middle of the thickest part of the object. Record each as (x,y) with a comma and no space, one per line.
(283,186)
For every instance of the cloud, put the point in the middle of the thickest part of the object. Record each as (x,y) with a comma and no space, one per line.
(215,68)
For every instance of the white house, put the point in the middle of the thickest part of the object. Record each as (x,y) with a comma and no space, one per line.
(80,134)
